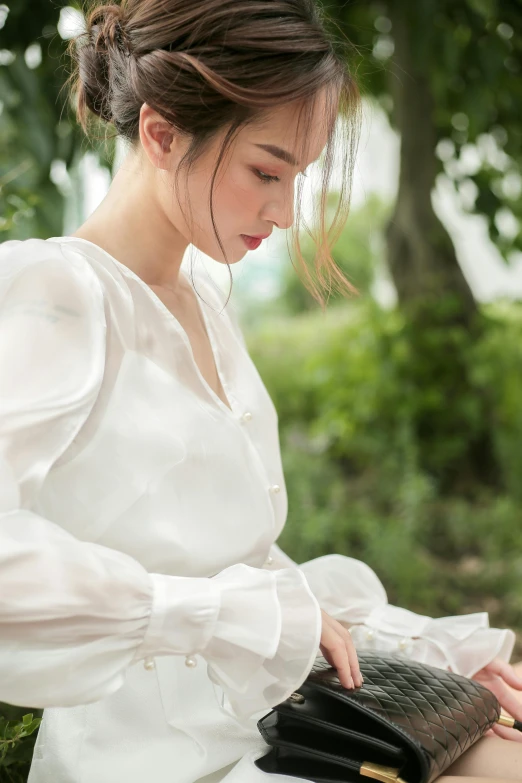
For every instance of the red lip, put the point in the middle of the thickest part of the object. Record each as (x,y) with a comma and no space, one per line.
(253,242)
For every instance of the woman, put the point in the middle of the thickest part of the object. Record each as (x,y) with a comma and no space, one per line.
(144,602)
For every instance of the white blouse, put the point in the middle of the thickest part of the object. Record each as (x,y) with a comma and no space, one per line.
(143,600)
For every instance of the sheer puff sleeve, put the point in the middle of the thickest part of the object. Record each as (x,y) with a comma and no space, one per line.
(351,592)
(259,631)
(74,615)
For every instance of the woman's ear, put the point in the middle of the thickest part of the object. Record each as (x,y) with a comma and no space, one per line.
(158,138)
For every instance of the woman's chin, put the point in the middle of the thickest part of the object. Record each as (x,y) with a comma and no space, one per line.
(235,254)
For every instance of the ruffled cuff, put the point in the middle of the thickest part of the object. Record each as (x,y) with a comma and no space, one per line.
(183,616)
(266,636)
(352,593)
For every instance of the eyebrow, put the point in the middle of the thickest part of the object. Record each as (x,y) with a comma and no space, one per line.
(280,153)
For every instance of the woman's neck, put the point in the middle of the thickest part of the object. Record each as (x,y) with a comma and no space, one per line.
(131,225)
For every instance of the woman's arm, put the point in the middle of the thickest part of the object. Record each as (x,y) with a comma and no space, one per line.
(73,614)
(351,592)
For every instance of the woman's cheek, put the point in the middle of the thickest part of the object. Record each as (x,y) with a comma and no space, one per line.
(243,185)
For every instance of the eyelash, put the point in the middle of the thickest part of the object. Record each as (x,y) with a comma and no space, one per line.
(266,179)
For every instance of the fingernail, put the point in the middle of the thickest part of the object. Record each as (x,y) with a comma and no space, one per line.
(352,684)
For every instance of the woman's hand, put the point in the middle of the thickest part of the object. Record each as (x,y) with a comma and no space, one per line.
(338,649)
(500,678)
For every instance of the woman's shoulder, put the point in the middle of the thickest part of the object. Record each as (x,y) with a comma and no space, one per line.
(18,256)
(45,269)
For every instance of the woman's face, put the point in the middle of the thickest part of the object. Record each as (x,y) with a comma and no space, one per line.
(254,189)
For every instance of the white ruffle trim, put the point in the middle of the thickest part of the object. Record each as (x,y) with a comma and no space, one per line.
(353,594)
(266,636)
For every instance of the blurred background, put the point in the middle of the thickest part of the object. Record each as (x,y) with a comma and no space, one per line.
(401,408)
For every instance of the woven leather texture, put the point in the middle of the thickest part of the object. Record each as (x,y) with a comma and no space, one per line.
(446,713)
(434,713)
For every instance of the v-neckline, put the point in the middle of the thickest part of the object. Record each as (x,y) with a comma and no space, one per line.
(210,337)
(170,315)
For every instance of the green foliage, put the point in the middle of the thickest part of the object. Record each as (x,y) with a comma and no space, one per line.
(497,370)
(33,132)
(368,365)
(471,54)
(17,736)
(352,458)
(40,142)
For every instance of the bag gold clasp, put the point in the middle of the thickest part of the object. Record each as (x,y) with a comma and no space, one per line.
(378,772)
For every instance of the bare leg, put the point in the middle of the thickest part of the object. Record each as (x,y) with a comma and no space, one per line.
(490,757)
(464,779)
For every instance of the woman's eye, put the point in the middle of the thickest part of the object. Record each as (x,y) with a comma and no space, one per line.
(266,178)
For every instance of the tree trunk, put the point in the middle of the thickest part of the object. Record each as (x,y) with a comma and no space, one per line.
(420,252)
(451,417)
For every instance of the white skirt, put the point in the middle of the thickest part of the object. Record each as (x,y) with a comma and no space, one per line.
(162,726)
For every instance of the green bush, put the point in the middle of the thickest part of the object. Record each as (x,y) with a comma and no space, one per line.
(17,736)
(351,456)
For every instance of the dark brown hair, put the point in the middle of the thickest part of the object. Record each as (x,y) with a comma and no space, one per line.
(210,65)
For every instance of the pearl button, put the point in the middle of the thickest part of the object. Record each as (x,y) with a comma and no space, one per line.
(275,488)
(269,560)
(190,662)
(403,644)
(246,416)
(149,664)
(370,635)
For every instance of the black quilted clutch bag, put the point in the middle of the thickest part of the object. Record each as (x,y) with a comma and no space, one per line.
(408,719)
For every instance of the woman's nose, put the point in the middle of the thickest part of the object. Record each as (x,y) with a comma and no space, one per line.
(281,213)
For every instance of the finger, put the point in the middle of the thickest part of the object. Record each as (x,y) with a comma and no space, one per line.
(342,664)
(336,647)
(324,649)
(353,661)
(506,733)
(507,699)
(326,654)
(352,657)
(506,671)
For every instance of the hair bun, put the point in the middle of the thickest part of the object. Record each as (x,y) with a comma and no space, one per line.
(105,26)
(104,37)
